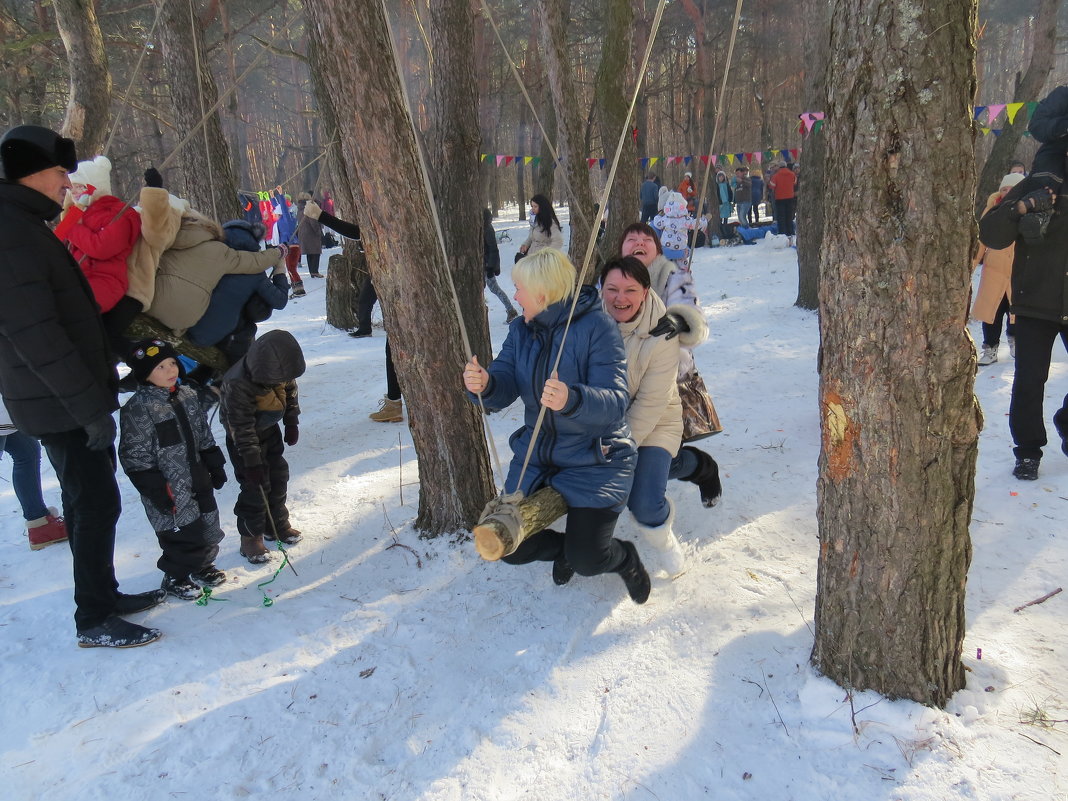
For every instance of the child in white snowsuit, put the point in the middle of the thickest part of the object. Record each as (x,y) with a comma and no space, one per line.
(167,450)
(258,392)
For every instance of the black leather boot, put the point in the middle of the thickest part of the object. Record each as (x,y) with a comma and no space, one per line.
(634,574)
(706,477)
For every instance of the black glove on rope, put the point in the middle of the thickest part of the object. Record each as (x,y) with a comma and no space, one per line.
(153,178)
(671,324)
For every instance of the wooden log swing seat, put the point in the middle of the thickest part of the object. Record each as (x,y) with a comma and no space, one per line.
(145,327)
(510,519)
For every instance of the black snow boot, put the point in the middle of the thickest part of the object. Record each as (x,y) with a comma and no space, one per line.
(562,571)
(706,477)
(634,574)
(117,633)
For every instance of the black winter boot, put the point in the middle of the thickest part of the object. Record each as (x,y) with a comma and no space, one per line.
(562,571)
(706,477)
(634,574)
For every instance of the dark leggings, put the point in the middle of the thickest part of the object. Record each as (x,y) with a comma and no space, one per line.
(393,390)
(587,543)
(992,331)
(313,262)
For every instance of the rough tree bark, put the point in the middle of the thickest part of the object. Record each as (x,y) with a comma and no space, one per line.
(570,122)
(611,102)
(452,143)
(899,420)
(810,201)
(347,271)
(204,161)
(89,102)
(409,271)
(1028,88)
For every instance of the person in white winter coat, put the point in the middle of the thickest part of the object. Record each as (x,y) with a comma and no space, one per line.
(652,335)
(545,230)
(674,225)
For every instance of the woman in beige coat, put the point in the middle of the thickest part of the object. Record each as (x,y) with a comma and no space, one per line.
(191,268)
(995,285)
(649,331)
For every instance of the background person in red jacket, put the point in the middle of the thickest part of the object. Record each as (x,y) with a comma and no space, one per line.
(783,185)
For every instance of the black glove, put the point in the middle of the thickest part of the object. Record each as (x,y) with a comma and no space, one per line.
(101,433)
(292,434)
(256,474)
(1039,200)
(671,324)
(153,178)
(214,461)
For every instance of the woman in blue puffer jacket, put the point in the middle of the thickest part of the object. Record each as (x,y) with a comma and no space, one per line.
(584,449)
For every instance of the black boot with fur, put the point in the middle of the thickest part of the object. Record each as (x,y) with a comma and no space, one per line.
(706,477)
(634,574)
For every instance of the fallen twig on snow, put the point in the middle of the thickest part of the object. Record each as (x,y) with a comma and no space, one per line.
(1036,742)
(1045,597)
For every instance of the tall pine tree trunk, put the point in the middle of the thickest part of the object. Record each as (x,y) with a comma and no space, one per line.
(899,420)
(204,161)
(811,205)
(612,103)
(453,145)
(89,102)
(409,271)
(570,124)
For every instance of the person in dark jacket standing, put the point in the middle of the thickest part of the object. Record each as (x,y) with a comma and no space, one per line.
(57,378)
(258,393)
(584,449)
(491,261)
(1040,303)
(648,196)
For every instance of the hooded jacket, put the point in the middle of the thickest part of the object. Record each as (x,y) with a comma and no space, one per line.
(1039,270)
(260,390)
(101,241)
(191,267)
(166,449)
(56,371)
(584,451)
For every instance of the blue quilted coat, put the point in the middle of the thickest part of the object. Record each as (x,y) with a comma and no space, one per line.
(584,451)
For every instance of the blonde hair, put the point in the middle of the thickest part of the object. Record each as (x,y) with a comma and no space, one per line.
(548,273)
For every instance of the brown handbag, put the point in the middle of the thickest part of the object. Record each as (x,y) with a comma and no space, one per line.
(699,418)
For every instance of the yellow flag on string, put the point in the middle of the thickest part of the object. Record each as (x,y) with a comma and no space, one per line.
(1011,110)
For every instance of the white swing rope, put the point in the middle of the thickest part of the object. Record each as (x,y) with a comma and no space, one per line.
(715,135)
(530,104)
(593,231)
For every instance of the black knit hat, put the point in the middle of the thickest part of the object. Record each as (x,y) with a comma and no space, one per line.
(148,353)
(27,149)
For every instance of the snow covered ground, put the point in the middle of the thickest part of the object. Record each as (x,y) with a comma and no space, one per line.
(398,668)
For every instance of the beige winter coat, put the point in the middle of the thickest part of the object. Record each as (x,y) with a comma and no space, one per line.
(995,282)
(655,411)
(160,221)
(539,240)
(191,268)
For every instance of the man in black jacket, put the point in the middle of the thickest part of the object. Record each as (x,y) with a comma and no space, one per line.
(1040,303)
(57,377)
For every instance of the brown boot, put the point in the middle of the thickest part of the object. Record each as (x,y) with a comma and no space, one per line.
(389,411)
(253,549)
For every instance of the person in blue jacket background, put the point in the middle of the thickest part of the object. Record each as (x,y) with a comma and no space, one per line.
(584,449)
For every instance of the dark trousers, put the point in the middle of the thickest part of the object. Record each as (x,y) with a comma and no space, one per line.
(992,331)
(587,543)
(190,548)
(117,321)
(313,262)
(250,512)
(91,507)
(393,390)
(1034,348)
(649,211)
(784,215)
(368,298)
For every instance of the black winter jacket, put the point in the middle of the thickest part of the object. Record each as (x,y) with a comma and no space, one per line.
(56,371)
(1039,271)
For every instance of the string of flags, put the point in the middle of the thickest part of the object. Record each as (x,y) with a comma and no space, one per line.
(812,121)
(719,160)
